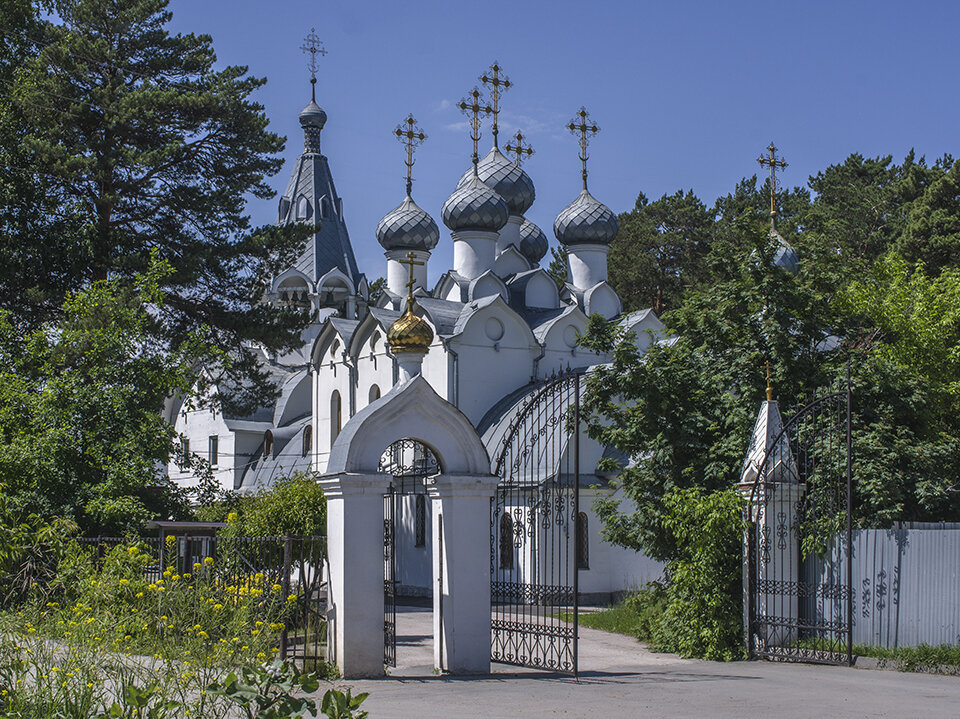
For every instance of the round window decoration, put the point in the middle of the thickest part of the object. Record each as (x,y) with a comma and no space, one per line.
(570,336)
(494,329)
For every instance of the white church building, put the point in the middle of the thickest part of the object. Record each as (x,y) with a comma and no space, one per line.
(499,329)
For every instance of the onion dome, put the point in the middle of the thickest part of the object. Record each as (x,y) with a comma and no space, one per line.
(507,179)
(586,221)
(408,227)
(533,243)
(784,256)
(409,333)
(313,116)
(474,206)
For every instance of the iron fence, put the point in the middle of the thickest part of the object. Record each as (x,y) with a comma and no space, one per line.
(294,563)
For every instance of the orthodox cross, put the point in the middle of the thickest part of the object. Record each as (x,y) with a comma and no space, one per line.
(497,85)
(412,137)
(472,106)
(410,262)
(313,46)
(519,148)
(582,126)
(774,163)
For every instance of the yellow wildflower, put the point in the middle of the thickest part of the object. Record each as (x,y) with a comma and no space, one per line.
(208,561)
(232,517)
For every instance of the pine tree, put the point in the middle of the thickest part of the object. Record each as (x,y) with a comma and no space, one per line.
(144,146)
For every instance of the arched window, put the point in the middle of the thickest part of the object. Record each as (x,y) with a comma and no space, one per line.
(420,522)
(506,541)
(324,208)
(334,416)
(583,542)
(303,208)
(374,394)
(307,440)
(267,444)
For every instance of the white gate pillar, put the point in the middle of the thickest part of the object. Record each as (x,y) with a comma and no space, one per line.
(355,559)
(461,571)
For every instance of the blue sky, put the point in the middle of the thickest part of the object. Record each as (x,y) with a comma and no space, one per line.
(687,94)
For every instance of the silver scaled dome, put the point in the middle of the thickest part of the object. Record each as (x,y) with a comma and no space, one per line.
(533,242)
(507,179)
(474,206)
(408,227)
(784,256)
(313,116)
(586,221)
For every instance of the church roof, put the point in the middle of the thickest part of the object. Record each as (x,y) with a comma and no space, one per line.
(311,196)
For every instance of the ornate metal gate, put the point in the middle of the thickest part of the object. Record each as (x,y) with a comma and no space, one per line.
(534,521)
(799,531)
(410,462)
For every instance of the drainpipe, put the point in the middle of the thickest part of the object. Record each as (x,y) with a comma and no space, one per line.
(453,380)
(536,361)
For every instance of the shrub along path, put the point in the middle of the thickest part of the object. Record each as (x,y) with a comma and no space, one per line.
(620,678)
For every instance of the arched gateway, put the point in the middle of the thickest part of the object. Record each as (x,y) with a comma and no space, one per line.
(355,485)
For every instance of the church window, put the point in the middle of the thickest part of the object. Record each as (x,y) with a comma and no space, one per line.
(335,411)
(213,450)
(506,541)
(267,444)
(420,522)
(374,393)
(324,208)
(184,454)
(303,209)
(583,546)
(307,440)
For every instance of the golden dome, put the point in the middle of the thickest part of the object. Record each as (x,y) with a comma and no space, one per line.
(409,333)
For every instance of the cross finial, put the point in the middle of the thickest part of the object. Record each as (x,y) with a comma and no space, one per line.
(496,84)
(411,261)
(582,125)
(519,148)
(774,163)
(472,106)
(769,385)
(313,46)
(412,137)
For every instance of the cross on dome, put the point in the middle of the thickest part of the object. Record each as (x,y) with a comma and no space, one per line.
(582,125)
(497,85)
(519,148)
(410,262)
(411,136)
(313,46)
(774,163)
(472,106)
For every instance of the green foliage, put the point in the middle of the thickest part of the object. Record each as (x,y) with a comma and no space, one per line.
(942,659)
(293,505)
(30,552)
(81,434)
(704,616)
(342,705)
(915,319)
(659,250)
(146,702)
(265,691)
(148,147)
(557,268)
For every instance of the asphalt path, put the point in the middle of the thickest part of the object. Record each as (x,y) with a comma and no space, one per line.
(619,677)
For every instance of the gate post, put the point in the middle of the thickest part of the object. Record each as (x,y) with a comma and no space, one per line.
(355,561)
(461,571)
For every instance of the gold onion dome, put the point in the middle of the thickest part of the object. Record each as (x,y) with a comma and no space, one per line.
(409,333)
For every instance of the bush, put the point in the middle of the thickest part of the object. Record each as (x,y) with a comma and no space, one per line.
(705,615)
(293,505)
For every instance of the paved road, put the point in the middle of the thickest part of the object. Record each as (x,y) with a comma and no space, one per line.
(619,678)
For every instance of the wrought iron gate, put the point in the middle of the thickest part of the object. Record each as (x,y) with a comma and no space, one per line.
(535,525)
(799,531)
(410,462)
